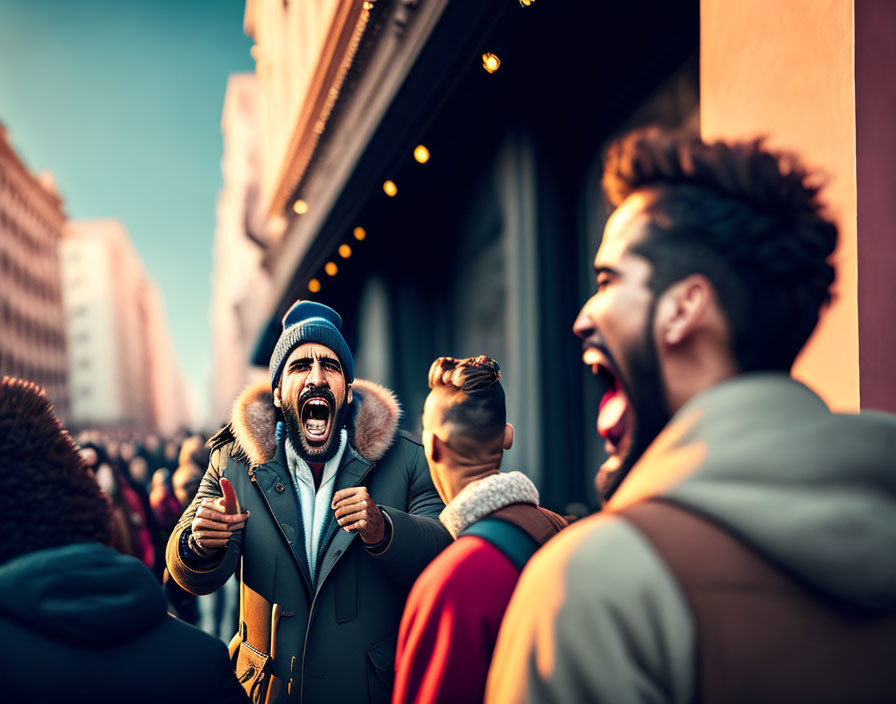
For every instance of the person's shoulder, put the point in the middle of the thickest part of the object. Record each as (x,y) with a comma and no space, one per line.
(602,595)
(466,567)
(194,661)
(408,439)
(405,450)
(604,548)
(225,445)
(183,636)
(473,555)
(223,438)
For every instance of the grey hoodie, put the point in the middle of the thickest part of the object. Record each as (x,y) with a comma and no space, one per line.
(598,617)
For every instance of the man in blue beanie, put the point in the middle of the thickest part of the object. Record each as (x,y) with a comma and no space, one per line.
(330,514)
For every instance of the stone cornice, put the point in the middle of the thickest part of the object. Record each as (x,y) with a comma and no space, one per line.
(336,58)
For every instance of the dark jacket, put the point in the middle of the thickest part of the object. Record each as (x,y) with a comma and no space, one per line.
(83,623)
(333,640)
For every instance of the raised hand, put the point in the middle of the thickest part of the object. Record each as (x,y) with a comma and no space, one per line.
(218,519)
(355,510)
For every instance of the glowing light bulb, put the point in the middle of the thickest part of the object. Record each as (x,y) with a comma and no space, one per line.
(360,233)
(300,206)
(490,62)
(345,251)
(421,154)
(314,285)
(390,188)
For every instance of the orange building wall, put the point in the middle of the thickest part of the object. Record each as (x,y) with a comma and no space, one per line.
(786,70)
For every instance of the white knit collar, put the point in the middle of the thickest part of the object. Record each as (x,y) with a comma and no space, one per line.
(486,496)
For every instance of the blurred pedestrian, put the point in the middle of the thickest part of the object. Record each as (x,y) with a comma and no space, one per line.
(138,469)
(192,462)
(165,506)
(215,613)
(132,530)
(746,547)
(170,454)
(452,616)
(136,473)
(72,606)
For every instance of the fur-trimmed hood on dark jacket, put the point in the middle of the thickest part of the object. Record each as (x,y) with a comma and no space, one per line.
(372,423)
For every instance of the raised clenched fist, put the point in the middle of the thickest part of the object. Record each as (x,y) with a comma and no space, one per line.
(355,510)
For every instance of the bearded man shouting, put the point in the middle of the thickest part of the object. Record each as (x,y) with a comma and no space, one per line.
(745,548)
(335,517)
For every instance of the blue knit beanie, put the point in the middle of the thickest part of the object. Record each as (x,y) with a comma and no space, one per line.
(308,321)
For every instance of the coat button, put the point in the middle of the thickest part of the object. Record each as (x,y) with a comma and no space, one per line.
(279,488)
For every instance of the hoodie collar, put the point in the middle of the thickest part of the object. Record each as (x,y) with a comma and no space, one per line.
(86,593)
(814,492)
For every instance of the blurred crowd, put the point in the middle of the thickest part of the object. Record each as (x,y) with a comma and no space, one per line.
(148,481)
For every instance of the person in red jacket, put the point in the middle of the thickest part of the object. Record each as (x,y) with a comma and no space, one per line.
(452,615)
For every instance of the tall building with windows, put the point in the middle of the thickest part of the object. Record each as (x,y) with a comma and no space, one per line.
(32,323)
(171,408)
(122,370)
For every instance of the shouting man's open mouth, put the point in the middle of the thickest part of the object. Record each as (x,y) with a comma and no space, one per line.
(615,422)
(317,410)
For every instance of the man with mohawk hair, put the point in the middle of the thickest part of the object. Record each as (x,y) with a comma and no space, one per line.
(80,622)
(452,616)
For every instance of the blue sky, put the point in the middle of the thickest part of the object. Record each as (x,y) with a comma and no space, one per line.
(121,100)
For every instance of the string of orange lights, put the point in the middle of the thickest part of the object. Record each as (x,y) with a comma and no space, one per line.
(490,63)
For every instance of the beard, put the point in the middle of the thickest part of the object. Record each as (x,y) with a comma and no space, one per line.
(647,397)
(317,453)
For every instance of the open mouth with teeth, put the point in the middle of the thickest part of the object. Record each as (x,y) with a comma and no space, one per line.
(317,420)
(614,418)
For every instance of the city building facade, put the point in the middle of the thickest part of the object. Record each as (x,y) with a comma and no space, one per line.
(240,286)
(32,322)
(432,170)
(440,188)
(122,370)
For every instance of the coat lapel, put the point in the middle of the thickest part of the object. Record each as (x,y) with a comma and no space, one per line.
(274,480)
(352,471)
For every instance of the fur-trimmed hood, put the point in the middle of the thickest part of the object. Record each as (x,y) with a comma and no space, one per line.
(372,422)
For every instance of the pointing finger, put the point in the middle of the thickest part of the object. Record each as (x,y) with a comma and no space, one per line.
(230,504)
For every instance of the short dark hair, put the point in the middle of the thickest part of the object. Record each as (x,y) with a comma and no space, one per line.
(748,219)
(471,394)
(47,496)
